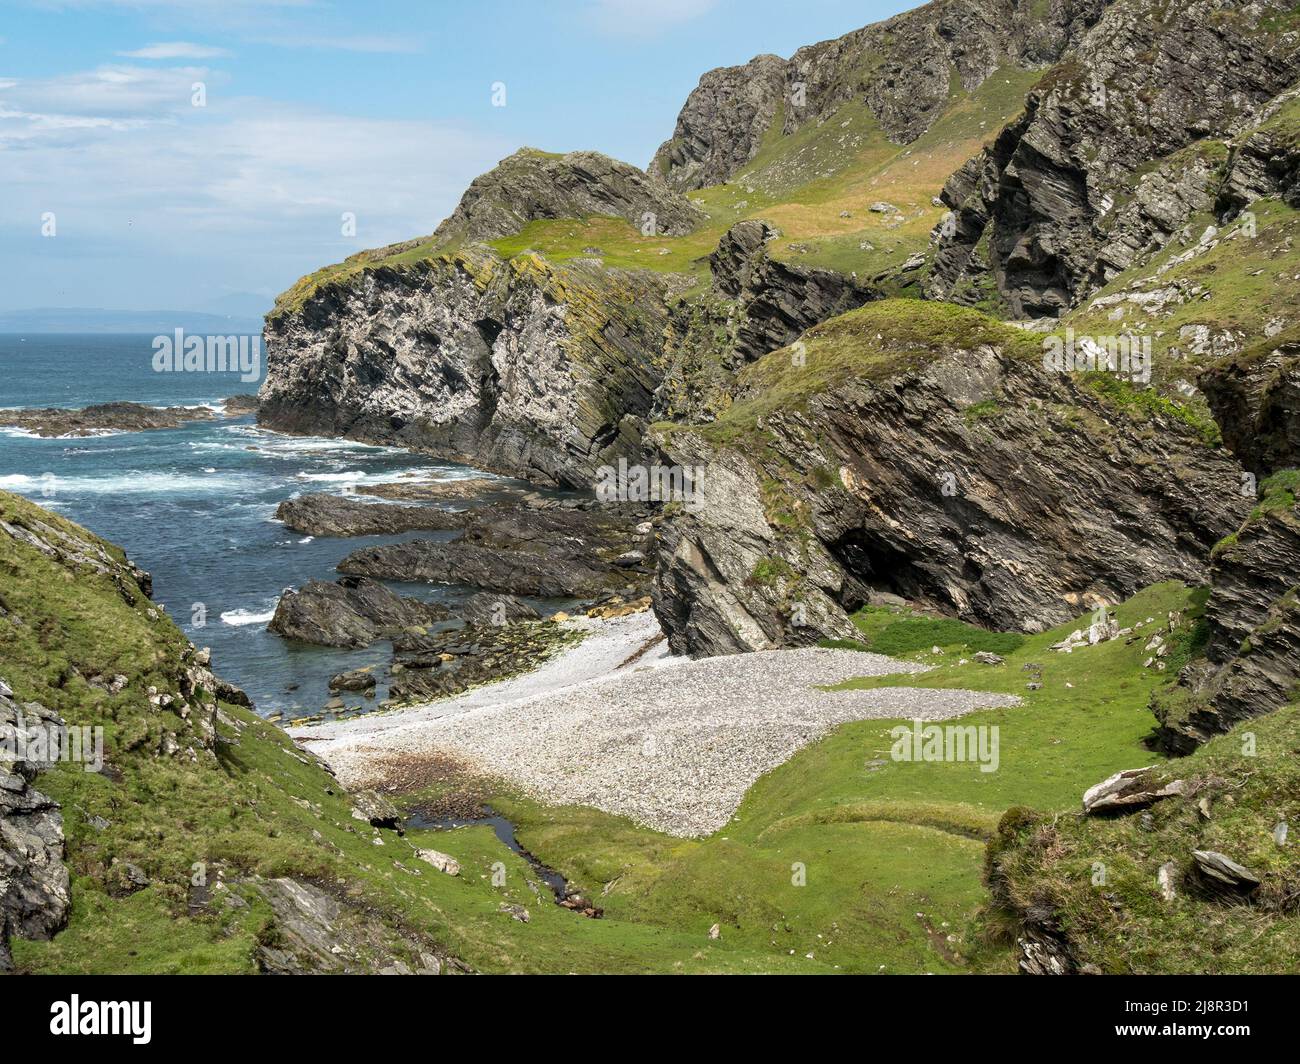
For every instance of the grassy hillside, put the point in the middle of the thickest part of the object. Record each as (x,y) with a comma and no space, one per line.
(891,852)
(1243,801)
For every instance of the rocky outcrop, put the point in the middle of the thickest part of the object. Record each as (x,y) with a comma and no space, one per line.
(532,185)
(240,405)
(35,890)
(777,300)
(317,932)
(334,515)
(514,572)
(527,368)
(1265,161)
(723,123)
(1255,397)
(902,68)
(923,451)
(444,664)
(485,608)
(1252,660)
(354,612)
(101,418)
(538,549)
(1035,215)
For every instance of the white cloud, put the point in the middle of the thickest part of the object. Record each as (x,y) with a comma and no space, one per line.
(115,90)
(176,50)
(642,18)
(245,193)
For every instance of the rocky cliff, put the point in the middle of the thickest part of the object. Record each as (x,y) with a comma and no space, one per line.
(1073,192)
(1255,396)
(538,370)
(921,450)
(903,68)
(1252,659)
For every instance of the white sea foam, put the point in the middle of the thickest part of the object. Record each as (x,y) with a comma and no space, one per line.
(242,618)
(134,482)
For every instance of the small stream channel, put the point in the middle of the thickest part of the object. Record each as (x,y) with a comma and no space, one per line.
(505,831)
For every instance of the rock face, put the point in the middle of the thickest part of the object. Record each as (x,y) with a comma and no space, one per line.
(533,185)
(35,888)
(1035,220)
(535,370)
(968,479)
(1252,662)
(1264,162)
(101,418)
(334,515)
(902,68)
(351,613)
(241,405)
(317,933)
(778,301)
(1255,397)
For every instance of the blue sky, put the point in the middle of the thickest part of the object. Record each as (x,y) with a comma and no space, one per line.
(380,108)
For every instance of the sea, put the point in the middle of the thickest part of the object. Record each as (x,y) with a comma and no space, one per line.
(195,506)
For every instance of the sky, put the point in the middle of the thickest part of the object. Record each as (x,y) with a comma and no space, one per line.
(191,154)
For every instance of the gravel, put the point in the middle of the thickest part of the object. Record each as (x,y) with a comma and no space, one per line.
(672,743)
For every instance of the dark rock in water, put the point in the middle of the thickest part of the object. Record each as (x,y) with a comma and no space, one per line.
(356,680)
(443,664)
(241,405)
(485,608)
(335,515)
(514,572)
(35,897)
(351,613)
(522,549)
(439,490)
(101,417)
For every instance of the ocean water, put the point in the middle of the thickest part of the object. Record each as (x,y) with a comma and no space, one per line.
(195,506)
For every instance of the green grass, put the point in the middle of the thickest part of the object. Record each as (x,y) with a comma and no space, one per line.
(1144,403)
(868,864)
(895,633)
(1249,781)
